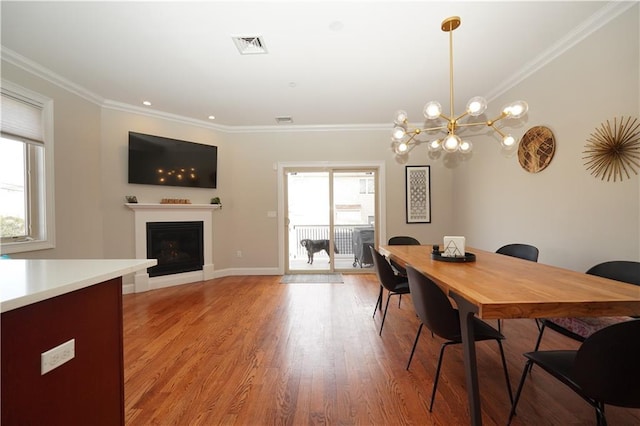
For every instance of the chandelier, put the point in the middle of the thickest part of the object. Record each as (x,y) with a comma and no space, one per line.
(403,139)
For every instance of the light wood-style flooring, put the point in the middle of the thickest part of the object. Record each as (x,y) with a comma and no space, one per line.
(252,351)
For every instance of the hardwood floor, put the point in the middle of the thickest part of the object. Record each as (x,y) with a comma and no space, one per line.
(252,351)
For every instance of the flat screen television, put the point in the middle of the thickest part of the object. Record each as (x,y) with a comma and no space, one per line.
(155,160)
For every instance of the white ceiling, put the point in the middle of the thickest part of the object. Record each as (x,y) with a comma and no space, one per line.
(328,63)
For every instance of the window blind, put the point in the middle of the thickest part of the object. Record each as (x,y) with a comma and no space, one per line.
(21,118)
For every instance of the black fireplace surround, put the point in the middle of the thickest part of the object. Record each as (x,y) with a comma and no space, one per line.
(178,247)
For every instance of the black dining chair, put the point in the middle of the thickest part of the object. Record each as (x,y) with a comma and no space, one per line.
(397,268)
(578,328)
(401,240)
(394,284)
(436,312)
(604,370)
(521,251)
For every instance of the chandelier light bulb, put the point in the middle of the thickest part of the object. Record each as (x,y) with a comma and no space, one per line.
(508,141)
(451,143)
(400,117)
(465,147)
(432,110)
(401,148)
(398,133)
(516,109)
(435,145)
(476,106)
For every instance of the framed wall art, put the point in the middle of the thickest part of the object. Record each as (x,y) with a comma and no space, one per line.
(418,194)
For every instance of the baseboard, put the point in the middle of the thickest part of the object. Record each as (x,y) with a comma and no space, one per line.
(129,287)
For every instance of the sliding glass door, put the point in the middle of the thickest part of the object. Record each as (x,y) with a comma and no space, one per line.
(330,218)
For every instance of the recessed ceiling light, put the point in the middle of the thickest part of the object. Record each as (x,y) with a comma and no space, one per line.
(147,103)
(212,117)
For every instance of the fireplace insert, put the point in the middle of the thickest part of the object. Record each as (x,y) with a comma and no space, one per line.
(178,247)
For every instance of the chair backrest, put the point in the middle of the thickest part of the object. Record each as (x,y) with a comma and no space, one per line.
(523,251)
(619,270)
(432,306)
(607,365)
(402,240)
(384,271)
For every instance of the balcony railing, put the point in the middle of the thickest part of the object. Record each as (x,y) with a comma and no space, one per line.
(343,236)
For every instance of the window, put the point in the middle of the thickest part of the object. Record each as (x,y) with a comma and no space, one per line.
(367,186)
(26,171)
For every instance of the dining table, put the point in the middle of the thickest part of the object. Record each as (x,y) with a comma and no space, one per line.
(496,286)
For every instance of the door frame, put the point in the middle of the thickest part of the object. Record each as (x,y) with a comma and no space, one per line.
(319,165)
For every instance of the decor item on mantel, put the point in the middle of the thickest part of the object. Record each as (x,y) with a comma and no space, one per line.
(610,151)
(536,149)
(403,140)
(175,201)
(131,199)
(216,201)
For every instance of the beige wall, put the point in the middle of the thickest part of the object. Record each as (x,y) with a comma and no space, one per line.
(255,185)
(78,191)
(575,219)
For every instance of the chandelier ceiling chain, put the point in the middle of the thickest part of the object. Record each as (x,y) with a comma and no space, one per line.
(403,139)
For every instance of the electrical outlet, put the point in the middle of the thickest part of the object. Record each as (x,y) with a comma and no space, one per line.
(54,358)
(239,253)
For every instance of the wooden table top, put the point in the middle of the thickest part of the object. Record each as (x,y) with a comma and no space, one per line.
(508,287)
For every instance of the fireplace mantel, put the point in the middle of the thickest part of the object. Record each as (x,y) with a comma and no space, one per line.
(158,206)
(156,212)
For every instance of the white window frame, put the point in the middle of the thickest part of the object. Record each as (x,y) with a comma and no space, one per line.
(41,208)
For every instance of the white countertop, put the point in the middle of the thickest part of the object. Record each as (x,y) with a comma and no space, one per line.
(26,281)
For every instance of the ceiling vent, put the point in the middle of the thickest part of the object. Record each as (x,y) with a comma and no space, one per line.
(284,120)
(250,45)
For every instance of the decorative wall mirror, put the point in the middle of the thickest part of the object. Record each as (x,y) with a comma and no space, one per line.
(536,149)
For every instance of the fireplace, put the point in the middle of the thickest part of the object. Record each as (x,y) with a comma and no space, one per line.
(173,213)
(178,247)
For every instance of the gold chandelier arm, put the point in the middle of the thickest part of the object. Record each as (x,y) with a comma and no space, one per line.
(498,118)
(497,130)
(413,136)
(464,114)
(429,129)
(448,118)
(477,123)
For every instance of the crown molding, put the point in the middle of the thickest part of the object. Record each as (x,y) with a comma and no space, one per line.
(38,70)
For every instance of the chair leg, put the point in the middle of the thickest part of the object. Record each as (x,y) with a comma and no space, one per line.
(500,326)
(506,372)
(435,380)
(384,315)
(600,417)
(527,367)
(378,302)
(414,345)
(542,327)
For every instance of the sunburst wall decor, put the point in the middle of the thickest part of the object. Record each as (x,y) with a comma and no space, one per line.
(614,150)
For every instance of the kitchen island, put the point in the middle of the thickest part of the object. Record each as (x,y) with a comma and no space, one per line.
(61,340)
